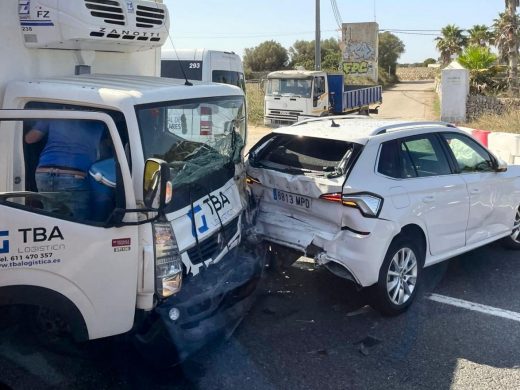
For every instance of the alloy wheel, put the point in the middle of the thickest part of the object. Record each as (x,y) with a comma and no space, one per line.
(402,276)
(515,236)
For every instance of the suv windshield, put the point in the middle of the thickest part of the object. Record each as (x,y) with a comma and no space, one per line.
(304,154)
(195,136)
(289,87)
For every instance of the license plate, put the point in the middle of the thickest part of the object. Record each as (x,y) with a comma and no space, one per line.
(292,199)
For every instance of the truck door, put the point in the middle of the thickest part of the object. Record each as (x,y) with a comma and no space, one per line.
(45,243)
(320,97)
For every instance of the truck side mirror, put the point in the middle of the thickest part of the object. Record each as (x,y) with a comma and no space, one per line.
(315,101)
(262,85)
(157,187)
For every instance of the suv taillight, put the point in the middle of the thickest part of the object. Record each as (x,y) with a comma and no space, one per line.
(368,204)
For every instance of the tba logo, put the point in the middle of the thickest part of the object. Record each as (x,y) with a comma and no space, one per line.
(4,244)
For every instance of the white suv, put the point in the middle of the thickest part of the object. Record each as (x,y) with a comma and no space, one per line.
(376,201)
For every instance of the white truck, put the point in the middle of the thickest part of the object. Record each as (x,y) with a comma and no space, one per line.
(203,65)
(160,254)
(295,95)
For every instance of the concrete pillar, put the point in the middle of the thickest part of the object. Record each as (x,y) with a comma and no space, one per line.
(454,92)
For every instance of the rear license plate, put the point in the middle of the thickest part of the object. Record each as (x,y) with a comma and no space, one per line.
(292,199)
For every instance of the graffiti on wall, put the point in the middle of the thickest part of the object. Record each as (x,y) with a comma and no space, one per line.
(357,68)
(360,49)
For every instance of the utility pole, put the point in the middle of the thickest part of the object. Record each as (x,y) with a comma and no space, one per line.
(317,46)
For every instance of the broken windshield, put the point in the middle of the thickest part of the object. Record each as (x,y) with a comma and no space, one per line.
(196,136)
(289,87)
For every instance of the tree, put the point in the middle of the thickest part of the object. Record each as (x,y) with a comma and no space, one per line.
(481,64)
(501,27)
(267,56)
(390,49)
(513,41)
(451,42)
(480,35)
(429,61)
(302,54)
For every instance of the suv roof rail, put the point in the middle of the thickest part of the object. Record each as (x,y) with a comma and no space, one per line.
(405,125)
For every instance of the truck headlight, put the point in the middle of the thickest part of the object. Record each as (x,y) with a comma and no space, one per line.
(168,264)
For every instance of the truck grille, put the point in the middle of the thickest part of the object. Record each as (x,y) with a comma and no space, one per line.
(149,17)
(210,247)
(108,10)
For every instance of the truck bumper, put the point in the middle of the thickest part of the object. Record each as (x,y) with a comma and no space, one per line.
(211,305)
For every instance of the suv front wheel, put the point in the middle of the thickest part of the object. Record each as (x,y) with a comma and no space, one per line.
(399,277)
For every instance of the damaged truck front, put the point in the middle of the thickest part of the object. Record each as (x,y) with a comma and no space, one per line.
(160,250)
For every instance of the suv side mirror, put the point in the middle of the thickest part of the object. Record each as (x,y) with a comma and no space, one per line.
(501,165)
(157,187)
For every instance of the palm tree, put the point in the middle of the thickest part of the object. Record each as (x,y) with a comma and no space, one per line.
(480,35)
(451,42)
(481,64)
(513,40)
(501,26)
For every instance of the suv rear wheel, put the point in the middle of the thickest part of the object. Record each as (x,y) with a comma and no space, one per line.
(513,241)
(399,277)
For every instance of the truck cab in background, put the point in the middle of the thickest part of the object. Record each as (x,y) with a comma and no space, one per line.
(203,65)
(161,251)
(295,95)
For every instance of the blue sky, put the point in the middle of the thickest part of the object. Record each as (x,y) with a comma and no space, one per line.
(239,24)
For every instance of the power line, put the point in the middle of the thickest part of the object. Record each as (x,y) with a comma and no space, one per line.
(336,12)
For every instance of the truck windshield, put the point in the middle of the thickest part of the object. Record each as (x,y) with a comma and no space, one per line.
(289,87)
(195,136)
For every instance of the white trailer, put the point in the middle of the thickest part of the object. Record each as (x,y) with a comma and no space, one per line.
(203,65)
(165,208)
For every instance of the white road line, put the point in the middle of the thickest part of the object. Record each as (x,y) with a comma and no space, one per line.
(490,310)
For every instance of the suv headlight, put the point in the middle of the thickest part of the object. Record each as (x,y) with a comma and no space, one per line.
(168,264)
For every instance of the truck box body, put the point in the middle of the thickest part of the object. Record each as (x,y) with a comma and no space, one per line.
(203,65)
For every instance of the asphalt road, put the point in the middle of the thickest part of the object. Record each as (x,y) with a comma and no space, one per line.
(310,329)
(409,100)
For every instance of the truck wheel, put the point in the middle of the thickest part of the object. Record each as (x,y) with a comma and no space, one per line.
(513,241)
(399,278)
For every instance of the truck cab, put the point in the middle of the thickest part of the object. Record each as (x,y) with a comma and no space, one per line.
(290,94)
(160,251)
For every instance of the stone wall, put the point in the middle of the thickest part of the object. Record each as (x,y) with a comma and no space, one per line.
(416,73)
(479,105)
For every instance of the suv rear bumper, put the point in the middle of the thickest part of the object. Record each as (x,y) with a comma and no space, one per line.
(361,254)
(211,306)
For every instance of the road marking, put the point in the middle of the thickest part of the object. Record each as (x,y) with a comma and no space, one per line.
(490,310)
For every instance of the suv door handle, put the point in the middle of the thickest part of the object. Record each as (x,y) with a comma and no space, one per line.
(429,199)
(475,191)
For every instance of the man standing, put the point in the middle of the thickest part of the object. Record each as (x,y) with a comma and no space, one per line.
(72,146)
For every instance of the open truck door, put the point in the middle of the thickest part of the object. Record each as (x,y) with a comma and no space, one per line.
(51,257)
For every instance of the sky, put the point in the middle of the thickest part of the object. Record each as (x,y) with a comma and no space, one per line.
(234,25)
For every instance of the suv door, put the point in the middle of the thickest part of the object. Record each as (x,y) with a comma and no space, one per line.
(91,262)
(489,191)
(437,197)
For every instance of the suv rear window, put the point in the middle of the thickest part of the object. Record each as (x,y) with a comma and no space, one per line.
(284,151)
